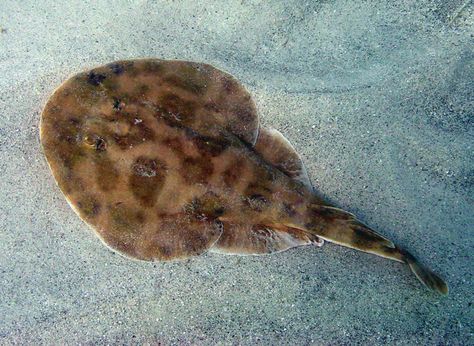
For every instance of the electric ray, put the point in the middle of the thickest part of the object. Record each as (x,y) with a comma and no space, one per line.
(166,160)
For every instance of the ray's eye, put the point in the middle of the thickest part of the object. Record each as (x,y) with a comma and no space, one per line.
(99,144)
(95,142)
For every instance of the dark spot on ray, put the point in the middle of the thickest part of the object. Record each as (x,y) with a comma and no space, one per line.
(95,209)
(145,168)
(264,173)
(258,188)
(116,68)
(192,86)
(229,85)
(142,89)
(207,145)
(75,121)
(117,104)
(122,141)
(219,211)
(125,218)
(211,106)
(147,179)
(106,173)
(234,172)
(257,197)
(131,69)
(110,86)
(71,181)
(153,67)
(206,207)
(197,170)
(243,113)
(121,67)
(65,143)
(175,110)
(95,78)
(140,217)
(67,130)
(89,206)
(174,144)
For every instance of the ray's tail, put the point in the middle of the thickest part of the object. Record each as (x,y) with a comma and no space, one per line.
(340,227)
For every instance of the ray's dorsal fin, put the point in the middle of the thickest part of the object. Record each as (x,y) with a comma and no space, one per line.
(247,239)
(279,152)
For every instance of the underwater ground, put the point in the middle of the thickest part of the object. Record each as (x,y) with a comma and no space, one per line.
(377,96)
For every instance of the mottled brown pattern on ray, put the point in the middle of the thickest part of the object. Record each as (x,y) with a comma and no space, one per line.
(166,237)
(233,172)
(208,206)
(147,179)
(130,143)
(161,159)
(106,173)
(89,205)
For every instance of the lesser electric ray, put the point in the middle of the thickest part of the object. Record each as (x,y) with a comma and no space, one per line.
(166,159)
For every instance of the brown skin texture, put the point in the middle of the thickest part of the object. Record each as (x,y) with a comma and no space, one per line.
(164,160)
(152,152)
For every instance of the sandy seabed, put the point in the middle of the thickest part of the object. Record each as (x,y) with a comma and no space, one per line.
(377,96)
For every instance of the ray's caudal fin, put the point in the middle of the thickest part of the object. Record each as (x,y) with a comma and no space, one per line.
(340,227)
